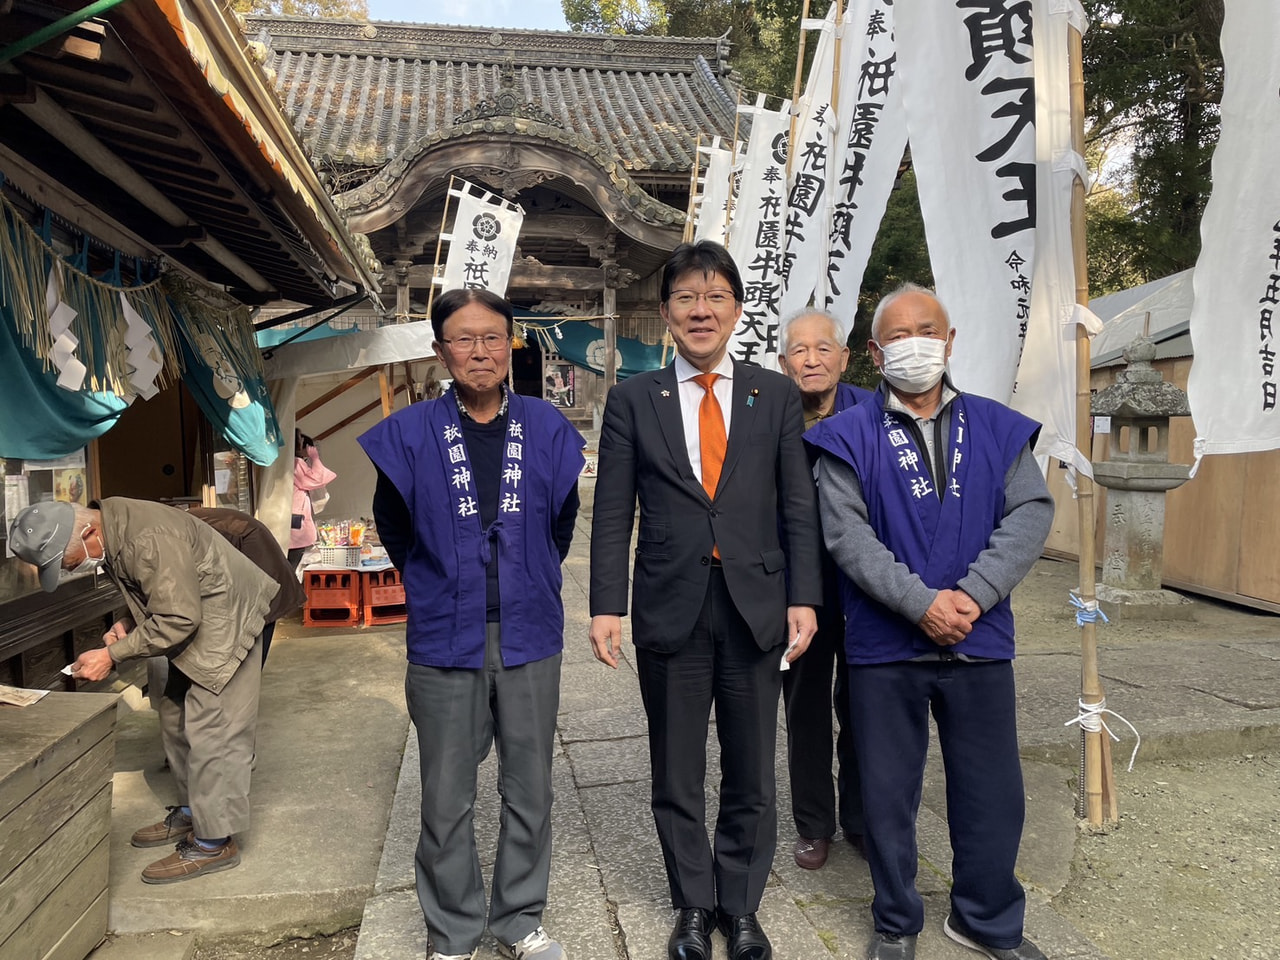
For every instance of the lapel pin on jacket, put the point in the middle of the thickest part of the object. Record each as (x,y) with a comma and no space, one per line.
(666,393)
(751,400)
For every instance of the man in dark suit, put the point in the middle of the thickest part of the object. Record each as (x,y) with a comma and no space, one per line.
(712,449)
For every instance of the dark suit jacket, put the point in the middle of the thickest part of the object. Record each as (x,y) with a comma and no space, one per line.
(766,474)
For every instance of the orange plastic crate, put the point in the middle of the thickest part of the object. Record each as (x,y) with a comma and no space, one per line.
(333,598)
(383,597)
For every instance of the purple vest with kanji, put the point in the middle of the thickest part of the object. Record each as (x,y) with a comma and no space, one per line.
(421,450)
(936,537)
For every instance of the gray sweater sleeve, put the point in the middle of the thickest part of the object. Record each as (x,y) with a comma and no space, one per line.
(857,551)
(1016,543)
(1014,547)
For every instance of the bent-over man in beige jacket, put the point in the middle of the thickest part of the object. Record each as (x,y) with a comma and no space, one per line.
(197,601)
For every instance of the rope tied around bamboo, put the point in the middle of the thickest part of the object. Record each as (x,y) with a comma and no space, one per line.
(1090,720)
(1087,611)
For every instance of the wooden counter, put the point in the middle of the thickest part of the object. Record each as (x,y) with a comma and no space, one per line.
(56,761)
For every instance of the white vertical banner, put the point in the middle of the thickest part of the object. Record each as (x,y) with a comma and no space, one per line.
(482,245)
(873,134)
(808,189)
(969,92)
(755,235)
(1234,317)
(1046,387)
(713,207)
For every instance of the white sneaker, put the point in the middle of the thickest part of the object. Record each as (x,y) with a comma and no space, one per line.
(536,944)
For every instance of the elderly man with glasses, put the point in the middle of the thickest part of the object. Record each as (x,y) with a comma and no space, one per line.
(476,501)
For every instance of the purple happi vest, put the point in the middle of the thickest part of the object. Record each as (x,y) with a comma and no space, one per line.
(937,534)
(422,451)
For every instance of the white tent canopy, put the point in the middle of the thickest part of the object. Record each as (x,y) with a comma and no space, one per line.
(397,343)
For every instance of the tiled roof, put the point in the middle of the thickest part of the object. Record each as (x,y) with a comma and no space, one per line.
(365,93)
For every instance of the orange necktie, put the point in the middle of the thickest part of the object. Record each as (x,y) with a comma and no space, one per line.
(711,435)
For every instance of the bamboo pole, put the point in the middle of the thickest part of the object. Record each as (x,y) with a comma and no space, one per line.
(687,235)
(1098,786)
(386,387)
(835,70)
(838,137)
(444,219)
(795,87)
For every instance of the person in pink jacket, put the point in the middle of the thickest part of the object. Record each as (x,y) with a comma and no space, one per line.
(309,475)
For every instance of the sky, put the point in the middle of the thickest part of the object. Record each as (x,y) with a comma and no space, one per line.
(522,14)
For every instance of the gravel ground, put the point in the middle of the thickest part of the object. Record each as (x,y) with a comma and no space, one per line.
(340,946)
(1192,870)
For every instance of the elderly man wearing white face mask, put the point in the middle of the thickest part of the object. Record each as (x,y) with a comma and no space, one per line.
(192,598)
(933,509)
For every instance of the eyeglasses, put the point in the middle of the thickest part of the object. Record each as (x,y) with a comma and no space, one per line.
(492,343)
(685,299)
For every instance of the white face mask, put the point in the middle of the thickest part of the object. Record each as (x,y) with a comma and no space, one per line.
(914,364)
(88,564)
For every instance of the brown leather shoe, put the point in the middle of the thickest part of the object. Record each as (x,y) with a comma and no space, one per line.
(170,830)
(191,860)
(812,854)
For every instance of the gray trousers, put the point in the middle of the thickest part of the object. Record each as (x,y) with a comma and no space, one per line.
(208,739)
(458,713)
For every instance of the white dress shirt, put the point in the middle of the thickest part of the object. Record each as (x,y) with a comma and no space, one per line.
(691,395)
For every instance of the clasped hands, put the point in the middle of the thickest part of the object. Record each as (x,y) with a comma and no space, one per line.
(950,617)
(97,664)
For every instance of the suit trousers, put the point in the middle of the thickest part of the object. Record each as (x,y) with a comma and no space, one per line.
(208,739)
(458,713)
(973,706)
(720,664)
(809,701)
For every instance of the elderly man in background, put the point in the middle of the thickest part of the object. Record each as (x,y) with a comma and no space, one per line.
(934,510)
(197,601)
(255,540)
(476,501)
(812,352)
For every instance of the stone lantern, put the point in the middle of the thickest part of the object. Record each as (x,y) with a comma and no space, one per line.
(1136,481)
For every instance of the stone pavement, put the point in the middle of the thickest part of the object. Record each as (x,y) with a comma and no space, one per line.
(330,785)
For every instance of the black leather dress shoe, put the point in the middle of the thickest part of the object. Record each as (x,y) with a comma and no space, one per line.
(746,940)
(691,936)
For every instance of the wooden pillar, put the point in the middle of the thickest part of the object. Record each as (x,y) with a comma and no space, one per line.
(610,337)
(402,290)
(612,278)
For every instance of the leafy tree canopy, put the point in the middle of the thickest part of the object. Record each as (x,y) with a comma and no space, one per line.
(324,9)
(1153,82)
(617,16)
(764,33)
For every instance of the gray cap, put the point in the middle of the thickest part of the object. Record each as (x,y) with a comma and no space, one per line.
(39,535)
